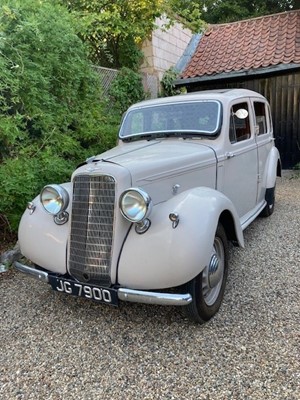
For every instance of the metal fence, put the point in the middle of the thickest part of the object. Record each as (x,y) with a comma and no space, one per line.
(151,85)
(107,75)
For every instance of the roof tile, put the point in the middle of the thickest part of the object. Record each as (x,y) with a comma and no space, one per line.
(255,43)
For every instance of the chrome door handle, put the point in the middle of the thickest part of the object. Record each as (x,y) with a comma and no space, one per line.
(229,155)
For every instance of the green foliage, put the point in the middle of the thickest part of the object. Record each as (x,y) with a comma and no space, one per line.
(114,29)
(222,11)
(168,82)
(189,11)
(51,113)
(296,171)
(297,167)
(126,89)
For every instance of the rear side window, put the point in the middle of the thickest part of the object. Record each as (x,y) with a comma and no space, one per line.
(260,118)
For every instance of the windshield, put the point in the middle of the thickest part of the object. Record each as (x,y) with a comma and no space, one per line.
(194,117)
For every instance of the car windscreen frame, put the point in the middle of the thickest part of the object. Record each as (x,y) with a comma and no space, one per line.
(173,108)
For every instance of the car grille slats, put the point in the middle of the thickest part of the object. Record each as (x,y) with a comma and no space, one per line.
(91,236)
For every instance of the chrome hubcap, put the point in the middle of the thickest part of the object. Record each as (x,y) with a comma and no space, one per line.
(212,276)
(214,271)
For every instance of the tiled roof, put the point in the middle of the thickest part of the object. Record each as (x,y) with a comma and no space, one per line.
(250,44)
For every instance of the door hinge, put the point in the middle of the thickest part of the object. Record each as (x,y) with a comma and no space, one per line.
(258,178)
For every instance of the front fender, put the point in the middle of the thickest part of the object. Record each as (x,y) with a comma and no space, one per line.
(41,240)
(166,257)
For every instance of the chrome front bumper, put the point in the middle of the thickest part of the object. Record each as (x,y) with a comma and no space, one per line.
(131,295)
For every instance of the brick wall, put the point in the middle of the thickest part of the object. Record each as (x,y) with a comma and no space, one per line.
(164,48)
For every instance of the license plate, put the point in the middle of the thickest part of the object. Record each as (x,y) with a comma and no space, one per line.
(92,292)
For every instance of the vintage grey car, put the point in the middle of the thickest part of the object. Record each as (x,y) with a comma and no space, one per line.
(149,221)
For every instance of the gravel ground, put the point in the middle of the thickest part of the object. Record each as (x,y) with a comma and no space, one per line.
(59,347)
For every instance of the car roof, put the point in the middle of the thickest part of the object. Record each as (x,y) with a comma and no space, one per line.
(217,94)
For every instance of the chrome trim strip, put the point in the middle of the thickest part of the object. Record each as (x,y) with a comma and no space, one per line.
(35,273)
(131,295)
(164,299)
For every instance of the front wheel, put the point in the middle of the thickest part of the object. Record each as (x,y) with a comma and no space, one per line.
(207,288)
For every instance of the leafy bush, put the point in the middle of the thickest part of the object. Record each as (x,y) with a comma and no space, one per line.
(126,89)
(168,82)
(297,167)
(114,30)
(52,115)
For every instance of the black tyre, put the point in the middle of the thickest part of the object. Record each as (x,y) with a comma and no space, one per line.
(270,199)
(207,289)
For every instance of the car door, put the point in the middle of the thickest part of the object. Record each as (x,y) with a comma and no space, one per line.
(264,139)
(240,162)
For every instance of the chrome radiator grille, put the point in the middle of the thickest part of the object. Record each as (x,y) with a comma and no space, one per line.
(92,228)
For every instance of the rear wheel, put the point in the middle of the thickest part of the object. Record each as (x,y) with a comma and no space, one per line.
(270,199)
(207,289)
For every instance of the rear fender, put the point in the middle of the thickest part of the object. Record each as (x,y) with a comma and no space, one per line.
(166,257)
(273,169)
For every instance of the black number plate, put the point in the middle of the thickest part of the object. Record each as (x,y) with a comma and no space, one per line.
(96,293)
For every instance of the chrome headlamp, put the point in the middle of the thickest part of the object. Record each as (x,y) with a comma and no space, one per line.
(135,205)
(54,199)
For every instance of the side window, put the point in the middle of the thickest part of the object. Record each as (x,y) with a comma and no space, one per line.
(260,118)
(239,129)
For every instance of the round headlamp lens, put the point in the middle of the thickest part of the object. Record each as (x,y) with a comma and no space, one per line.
(135,205)
(54,199)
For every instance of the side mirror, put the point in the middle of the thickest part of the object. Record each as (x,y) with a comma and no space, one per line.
(241,113)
